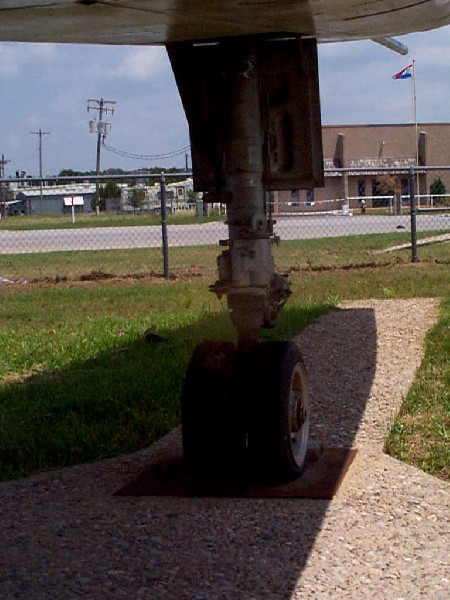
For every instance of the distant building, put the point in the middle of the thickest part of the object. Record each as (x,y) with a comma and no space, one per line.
(372,146)
(177,196)
(56,199)
(344,147)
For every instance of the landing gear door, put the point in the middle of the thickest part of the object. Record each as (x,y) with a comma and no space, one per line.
(290,110)
(202,83)
(289,107)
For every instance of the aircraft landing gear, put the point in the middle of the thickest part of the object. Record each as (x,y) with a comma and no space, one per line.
(245,415)
(279,413)
(245,410)
(214,436)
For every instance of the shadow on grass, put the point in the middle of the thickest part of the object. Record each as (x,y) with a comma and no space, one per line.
(241,548)
(115,403)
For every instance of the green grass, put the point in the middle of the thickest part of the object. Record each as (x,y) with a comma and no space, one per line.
(420,434)
(292,256)
(138,262)
(356,250)
(23,223)
(78,381)
(420,280)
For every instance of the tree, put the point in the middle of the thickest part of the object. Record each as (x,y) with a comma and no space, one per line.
(110,190)
(137,199)
(386,184)
(437,190)
(71,173)
(191,196)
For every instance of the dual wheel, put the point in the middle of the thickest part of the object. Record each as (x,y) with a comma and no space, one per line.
(245,415)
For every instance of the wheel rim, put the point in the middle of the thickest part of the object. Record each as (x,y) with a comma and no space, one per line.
(299,414)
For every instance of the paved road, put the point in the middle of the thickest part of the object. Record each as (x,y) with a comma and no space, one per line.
(291,228)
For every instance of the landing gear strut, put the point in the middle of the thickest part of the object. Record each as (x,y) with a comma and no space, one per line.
(253,110)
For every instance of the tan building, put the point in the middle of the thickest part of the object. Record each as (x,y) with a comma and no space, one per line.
(373,147)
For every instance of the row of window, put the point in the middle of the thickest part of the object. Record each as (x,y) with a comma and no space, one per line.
(379,188)
(295,194)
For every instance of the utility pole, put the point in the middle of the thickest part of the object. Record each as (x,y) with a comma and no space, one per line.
(3,162)
(102,128)
(40,133)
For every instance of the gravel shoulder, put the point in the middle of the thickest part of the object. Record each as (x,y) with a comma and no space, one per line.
(385,534)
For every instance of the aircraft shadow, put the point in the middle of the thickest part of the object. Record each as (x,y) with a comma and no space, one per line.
(247,548)
(175,547)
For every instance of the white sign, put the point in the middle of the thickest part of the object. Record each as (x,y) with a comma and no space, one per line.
(73,201)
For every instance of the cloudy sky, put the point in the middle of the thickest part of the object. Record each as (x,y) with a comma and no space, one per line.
(47,86)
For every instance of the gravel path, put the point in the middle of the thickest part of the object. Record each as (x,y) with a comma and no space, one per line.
(385,534)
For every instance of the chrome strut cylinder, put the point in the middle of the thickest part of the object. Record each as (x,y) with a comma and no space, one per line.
(246,269)
(253,109)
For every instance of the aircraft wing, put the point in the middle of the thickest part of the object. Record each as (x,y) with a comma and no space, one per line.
(161,21)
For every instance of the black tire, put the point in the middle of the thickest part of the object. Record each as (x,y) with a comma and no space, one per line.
(213,433)
(279,411)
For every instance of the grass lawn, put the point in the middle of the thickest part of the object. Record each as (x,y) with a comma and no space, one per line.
(78,379)
(79,382)
(200,261)
(23,223)
(420,434)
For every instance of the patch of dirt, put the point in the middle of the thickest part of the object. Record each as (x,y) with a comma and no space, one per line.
(96,276)
(189,274)
(99,277)
(350,267)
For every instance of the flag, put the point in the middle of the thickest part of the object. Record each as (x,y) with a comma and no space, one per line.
(404,73)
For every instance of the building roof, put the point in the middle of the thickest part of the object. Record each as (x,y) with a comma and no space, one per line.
(58,190)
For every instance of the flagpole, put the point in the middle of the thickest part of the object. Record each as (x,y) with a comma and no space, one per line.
(406,74)
(416,131)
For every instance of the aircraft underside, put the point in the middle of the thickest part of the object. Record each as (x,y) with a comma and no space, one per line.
(251,97)
(162,21)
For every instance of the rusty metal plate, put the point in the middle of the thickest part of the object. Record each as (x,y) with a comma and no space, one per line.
(167,477)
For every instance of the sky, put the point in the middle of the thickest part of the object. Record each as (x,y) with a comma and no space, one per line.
(46,86)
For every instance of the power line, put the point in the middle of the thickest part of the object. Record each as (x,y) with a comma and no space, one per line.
(134,156)
(40,133)
(3,162)
(102,128)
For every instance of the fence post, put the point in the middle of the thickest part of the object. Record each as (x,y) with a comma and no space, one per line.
(165,245)
(412,203)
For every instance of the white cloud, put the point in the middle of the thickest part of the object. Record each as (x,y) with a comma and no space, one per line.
(10,60)
(139,64)
(47,52)
(15,58)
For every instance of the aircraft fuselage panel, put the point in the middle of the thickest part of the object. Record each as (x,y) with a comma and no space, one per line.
(132,22)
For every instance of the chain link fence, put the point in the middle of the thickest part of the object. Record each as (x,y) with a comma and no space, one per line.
(166,214)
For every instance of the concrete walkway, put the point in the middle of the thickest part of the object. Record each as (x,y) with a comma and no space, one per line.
(384,535)
(436,239)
